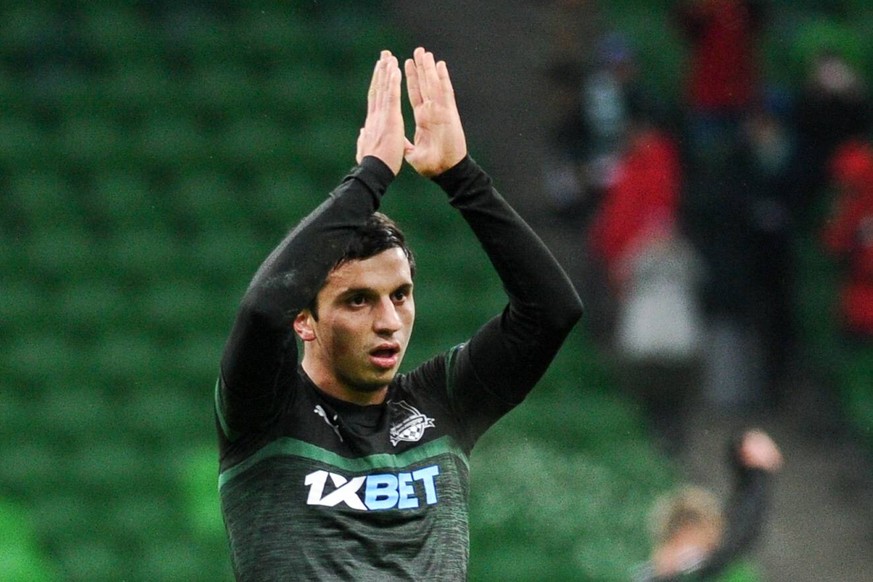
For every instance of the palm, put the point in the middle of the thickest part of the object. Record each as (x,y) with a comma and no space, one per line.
(382,134)
(438,142)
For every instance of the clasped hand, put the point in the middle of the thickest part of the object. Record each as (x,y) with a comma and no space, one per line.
(438,142)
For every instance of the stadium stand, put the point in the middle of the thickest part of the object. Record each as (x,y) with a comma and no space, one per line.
(150,155)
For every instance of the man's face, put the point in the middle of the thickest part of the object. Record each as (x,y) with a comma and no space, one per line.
(365,317)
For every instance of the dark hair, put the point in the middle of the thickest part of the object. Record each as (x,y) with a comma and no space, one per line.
(379,233)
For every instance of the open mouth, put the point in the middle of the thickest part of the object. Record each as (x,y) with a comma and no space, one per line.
(385,357)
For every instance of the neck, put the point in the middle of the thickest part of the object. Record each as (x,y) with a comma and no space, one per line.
(335,388)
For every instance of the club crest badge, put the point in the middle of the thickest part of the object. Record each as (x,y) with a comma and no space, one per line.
(407,423)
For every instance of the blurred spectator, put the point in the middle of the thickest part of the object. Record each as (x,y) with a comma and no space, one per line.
(641,204)
(598,105)
(832,108)
(758,288)
(848,235)
(693,538)
(723,91)
(652,272)
(723,79)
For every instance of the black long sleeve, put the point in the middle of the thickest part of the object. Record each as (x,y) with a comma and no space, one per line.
(745,513)
(506,357)
(509,354)
(261,351)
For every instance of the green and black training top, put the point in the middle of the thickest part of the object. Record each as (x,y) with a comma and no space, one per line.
(314,488)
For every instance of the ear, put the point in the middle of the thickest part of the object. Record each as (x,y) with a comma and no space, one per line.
(303,326)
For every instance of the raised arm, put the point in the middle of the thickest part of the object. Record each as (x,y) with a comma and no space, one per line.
(507,356)
(260,357)
(755,458)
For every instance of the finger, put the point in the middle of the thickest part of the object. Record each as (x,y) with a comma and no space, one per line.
(389,68)
(445,82)
(375,81)
(429,80)
(413,89)
(392,92)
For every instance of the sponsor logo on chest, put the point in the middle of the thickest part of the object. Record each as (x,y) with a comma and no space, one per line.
(403,490)
(382,491)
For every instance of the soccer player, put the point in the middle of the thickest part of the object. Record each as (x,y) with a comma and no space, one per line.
(340,467)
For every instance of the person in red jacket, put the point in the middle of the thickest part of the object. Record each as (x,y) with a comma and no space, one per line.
(723,72)
(723,86)
(848,235)
(651,270)
(641,205)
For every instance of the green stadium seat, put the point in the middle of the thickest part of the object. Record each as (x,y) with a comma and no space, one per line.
(197,476)
(42,198)
(165,141)
(14,411)
(87,141)
(206,199)
(10,91)
(42,359)
(260,140)
(168,561)
(223,87)
(89,306)
(120,200)
(328,146)
(226,257)
(70,414)
(126,359)
(143,253)
(62,514)
(169,414)
(23,144)
(92,558)
(111,467)
(11,261)
(173,306)
(273,31)
(20,556)
(147,517)
(197,356)
(62,252)
(25,27)
(32,468)
(281,198)
(118,32)
(136,89)
(23,307)
(300,93)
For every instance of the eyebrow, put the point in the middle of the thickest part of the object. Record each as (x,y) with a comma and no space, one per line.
(406,287)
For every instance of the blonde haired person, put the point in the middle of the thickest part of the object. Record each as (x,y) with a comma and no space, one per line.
(693,537)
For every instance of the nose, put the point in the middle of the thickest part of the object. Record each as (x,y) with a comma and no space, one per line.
(387,320)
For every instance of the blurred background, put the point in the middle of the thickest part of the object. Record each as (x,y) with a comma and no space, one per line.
(152,153)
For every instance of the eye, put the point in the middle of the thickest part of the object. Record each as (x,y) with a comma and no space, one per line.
(357,300)
(400,295)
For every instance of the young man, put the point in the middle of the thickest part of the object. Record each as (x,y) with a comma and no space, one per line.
(339,467)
